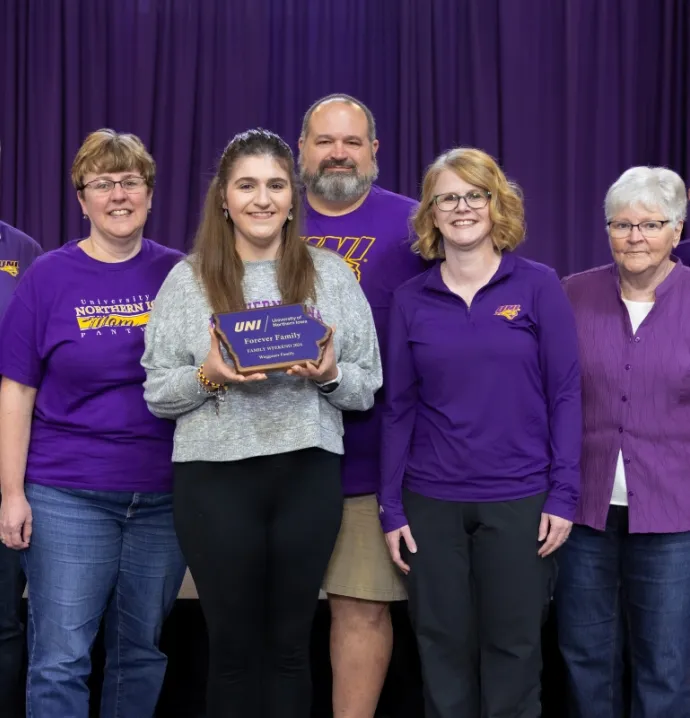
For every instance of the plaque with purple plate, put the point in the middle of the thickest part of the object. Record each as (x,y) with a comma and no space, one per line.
(271,338)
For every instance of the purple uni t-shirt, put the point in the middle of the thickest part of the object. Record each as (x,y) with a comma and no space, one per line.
(74,329)
(17,252)
(375,240)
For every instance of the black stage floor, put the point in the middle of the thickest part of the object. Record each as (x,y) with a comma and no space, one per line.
(184,641)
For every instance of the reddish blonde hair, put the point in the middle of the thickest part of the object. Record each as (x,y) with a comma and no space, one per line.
(476,167)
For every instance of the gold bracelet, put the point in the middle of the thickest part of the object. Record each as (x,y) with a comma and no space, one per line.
(207,384)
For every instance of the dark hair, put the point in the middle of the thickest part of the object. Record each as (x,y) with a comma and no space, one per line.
(347,99)
(217,263)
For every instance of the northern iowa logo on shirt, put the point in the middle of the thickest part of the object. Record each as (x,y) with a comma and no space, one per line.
(352,249)
(509,311)
(311,311)
(113,316)
(11,266)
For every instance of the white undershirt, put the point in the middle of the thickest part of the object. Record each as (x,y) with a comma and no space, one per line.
(619,497)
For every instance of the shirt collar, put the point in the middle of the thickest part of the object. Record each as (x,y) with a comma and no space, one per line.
(434,280)
(664,288)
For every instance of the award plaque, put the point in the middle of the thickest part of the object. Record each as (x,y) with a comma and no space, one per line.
(271,338)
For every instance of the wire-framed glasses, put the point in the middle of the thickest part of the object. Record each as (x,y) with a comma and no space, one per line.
(474,199)
(131,185)
(649,230)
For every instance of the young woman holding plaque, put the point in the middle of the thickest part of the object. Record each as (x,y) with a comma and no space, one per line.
(257,489)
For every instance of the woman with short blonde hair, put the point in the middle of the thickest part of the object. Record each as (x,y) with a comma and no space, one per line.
(505,206)
(85,468)
(481,441)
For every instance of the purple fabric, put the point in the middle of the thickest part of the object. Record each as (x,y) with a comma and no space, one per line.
(682,251)
(483,404)
(74,329)
(17,253)
(560,92)
(375,241)
(636,399)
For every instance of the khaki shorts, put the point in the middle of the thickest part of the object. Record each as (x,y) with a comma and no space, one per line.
(361,566)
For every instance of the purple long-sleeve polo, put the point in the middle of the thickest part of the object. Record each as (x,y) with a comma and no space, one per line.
(483,403)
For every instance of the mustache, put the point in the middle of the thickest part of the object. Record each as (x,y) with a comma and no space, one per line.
(339,164)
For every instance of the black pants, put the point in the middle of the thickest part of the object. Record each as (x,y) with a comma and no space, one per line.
(478,594)
(257,535)
(12,641)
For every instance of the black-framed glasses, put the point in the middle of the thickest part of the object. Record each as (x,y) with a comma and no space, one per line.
(649,230)
(131,185)
(474,199)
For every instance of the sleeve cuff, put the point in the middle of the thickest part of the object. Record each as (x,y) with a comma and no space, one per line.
(392,518)
(21,377)
(556,506)
(335,381)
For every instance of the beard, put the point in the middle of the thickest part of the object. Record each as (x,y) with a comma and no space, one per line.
(339,186)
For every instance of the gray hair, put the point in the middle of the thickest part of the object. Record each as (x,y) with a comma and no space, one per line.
(340,97)
(655,188)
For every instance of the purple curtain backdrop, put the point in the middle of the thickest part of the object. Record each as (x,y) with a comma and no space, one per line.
(565,93)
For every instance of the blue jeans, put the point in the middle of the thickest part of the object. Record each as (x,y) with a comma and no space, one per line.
(98,555)
(619,592)
(11,633)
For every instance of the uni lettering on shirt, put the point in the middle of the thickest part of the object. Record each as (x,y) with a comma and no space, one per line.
(17,253)
(311,310)
(509,311)
(375,241)
(11,266)
(352,249)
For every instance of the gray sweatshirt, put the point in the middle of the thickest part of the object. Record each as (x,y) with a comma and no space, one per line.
(282,413)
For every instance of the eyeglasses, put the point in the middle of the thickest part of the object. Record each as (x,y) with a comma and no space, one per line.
(649,229)
(131,185)
(474,199)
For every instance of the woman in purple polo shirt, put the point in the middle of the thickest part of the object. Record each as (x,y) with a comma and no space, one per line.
(85,467)
(481,443)
(624,580)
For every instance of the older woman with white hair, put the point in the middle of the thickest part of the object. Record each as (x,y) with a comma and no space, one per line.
(624,584)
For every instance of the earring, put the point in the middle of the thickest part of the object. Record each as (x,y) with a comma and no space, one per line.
(86,216)
(290,216)
(226,214)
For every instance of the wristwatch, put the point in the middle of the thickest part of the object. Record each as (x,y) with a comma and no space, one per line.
(329,386)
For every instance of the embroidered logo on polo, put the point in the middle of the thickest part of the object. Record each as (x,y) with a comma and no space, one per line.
(113,316)
(11,266)
(352,249)
(508,311)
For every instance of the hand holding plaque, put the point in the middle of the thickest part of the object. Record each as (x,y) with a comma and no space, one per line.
(272,338)
(217,370)
(325,371)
